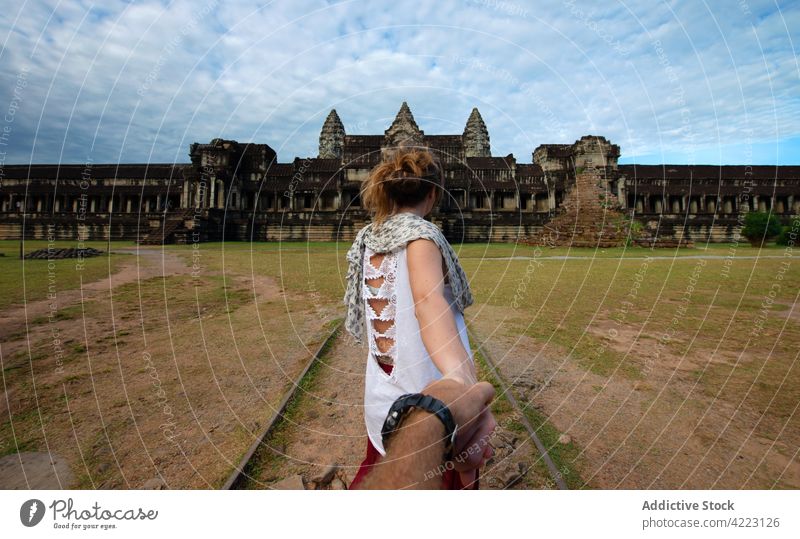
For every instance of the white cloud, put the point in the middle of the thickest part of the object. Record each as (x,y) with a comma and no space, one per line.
(169,74)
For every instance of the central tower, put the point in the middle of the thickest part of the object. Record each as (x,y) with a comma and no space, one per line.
(404,130)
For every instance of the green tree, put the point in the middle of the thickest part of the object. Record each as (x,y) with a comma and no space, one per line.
(760,227)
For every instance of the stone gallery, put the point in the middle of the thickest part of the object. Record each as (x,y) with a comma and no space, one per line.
(239,191)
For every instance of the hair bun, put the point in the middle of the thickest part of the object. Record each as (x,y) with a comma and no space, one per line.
(403,184)
(404,177)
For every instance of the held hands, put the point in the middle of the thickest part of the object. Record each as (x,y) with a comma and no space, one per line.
(469,405)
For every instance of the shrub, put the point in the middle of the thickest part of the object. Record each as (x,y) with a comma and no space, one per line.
(785,236)
(760,227)
(634,232)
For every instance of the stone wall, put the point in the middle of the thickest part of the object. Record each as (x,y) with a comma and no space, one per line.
(238,191)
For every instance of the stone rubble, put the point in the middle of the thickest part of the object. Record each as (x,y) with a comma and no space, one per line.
(62,253)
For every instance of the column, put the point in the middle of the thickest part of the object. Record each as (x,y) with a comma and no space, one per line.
(221,195)
(185,194)
(211,199)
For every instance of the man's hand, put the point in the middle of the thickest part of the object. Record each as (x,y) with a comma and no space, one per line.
(417,447)
(470,408)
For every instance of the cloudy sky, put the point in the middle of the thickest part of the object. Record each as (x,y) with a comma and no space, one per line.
(693,81)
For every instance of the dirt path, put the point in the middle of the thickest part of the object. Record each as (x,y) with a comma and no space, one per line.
(663,431)
(150,263)
(325,427)
(322,438)
(154,377)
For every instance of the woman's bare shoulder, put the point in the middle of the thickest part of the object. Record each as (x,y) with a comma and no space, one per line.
(423,253)
(422,247)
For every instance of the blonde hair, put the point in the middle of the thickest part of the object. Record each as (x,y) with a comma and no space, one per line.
(404,178)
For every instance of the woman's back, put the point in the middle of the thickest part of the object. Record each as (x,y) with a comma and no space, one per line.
(386,308)
(393,336)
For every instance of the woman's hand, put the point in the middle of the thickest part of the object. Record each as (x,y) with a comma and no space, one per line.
(470,408)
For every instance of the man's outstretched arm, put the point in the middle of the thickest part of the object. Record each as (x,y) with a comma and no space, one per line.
(416,450)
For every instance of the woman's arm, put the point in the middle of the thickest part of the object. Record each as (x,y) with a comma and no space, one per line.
(436,321)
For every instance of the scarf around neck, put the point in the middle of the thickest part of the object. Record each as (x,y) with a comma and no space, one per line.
(396,231)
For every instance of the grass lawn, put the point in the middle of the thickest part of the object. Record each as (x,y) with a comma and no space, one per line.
(321,266)
(612,313)
(29,280)
(674,304)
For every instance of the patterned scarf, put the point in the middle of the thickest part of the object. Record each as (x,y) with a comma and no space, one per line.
(394,232)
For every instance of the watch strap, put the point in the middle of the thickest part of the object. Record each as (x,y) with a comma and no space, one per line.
(402,405)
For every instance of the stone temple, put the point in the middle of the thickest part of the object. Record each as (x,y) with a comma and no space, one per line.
(239,191)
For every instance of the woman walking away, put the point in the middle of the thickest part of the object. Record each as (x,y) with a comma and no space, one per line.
(406,293)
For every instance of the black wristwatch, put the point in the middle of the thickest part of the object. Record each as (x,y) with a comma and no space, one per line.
(401,406)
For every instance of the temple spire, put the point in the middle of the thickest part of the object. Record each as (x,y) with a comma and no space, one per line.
(331,138)
(404,130)
(476,136)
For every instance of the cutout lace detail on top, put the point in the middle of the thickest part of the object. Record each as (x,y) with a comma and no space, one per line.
(380,301)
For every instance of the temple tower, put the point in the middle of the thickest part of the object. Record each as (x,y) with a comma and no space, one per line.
(404,130)
(331,138)
(476,136)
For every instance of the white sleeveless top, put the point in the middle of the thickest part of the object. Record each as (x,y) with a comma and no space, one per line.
(413,368)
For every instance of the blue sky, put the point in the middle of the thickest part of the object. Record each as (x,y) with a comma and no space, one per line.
(670,82)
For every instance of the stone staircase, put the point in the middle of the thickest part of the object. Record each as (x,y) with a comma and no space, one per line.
(589,216)
(172,230)
(653,241)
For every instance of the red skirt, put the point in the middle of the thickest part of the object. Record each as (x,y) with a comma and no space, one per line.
(451,479)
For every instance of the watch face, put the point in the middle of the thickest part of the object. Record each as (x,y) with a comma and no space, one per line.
(392,420)
(424,402)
